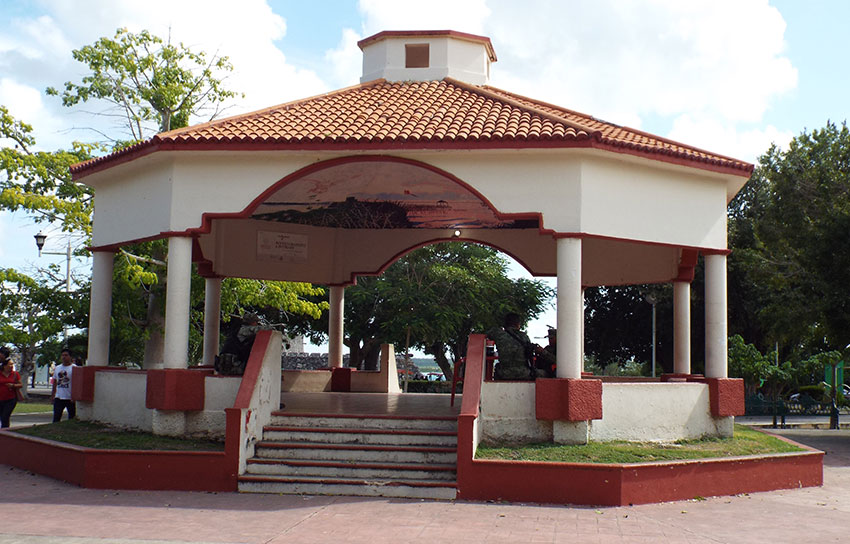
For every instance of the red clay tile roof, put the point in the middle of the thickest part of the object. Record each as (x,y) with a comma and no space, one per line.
(432,34)
(446,114)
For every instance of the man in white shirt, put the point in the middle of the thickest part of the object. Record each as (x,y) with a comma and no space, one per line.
(61,395)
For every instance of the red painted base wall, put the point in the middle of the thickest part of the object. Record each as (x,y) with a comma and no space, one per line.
(120,469)
(619,485)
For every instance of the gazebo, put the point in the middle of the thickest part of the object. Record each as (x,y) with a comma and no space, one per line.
(423,150)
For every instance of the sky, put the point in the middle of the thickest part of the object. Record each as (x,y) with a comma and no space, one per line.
(729,76)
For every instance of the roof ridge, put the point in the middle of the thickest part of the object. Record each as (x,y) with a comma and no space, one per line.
(485,90)
(623,127)
(260,112)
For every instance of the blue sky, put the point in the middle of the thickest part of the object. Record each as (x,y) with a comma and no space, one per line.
(730,76)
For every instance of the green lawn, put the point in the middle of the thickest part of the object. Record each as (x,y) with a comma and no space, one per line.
(96,435)
(32,408)
(744,442)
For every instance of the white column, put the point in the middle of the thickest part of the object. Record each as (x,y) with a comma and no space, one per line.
(715,316)
(570,310)
(212,319)
(681,327)
(335,326)
(176,348)
(100,308)
(582,329)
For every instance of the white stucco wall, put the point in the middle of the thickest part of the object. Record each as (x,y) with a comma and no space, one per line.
(120,400)
(457,58)
(659,412)
(644,412)
(507,414)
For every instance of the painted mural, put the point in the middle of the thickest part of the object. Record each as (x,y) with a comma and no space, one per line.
(380,195)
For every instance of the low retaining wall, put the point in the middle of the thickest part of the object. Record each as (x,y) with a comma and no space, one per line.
(120,469)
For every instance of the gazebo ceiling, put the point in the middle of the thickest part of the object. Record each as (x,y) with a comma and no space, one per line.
(381,195)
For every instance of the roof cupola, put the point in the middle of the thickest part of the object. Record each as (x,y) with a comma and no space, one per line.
(426,55)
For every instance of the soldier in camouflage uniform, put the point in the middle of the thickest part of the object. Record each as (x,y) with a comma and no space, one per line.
(514,349)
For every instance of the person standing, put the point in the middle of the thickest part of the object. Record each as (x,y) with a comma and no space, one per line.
(61,394)
(10,384)
(516,352)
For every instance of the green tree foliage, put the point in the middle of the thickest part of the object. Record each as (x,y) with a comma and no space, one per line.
(149,80)
(791,252)
(442,293)
(32,311)
(39,182)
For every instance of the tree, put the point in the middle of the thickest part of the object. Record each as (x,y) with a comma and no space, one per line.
(147,79)
(32,311)
(791,253)
(440,293)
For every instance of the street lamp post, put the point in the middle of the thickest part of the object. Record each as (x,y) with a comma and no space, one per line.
(652,300)
(40,238)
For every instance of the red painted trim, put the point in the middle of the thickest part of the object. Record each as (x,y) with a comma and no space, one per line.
(340,464)
(637,483)
(252,370)
(568,399)
(338,430)
(349,447)
(119,469)
(339,481)
(429,34)
(82,382)
(176,389)
(726,396)
(716,251)
(341,379)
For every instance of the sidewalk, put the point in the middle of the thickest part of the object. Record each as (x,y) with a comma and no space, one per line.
(794,421)
(38,510)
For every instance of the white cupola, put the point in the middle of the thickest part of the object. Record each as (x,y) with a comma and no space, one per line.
(426,55)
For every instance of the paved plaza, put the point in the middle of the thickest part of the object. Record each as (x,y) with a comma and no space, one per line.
(39,510)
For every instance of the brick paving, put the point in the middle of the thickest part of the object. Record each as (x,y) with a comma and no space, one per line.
(39,510)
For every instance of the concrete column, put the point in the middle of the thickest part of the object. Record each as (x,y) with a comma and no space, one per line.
(570,309)
(335,327)
(715,316)
(681,327)
(100,308)
(212,319)
(582,329)
(176,348)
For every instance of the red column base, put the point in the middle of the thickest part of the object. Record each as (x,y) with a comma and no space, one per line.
(341,379)
(568,399)
(726,396)
(82,382)
(176,389)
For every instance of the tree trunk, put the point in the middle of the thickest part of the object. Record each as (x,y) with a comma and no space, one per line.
(373,354)
(438,350)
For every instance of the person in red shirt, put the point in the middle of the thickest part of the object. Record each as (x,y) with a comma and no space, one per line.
(10,383)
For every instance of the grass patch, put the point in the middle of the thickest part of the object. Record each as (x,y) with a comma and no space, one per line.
(33,408)
(744,442)
(99,436)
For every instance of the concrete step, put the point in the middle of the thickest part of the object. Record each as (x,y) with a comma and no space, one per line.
(420,489)
(329,469)
(356,452)
(330,435)
(284,419)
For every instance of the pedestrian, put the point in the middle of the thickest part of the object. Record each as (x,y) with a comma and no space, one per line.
(10,387)
(61,394)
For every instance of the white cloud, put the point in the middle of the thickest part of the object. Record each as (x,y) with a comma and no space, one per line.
(624,62)
(346,59)
(463,15)
(725,138)
(36,52)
